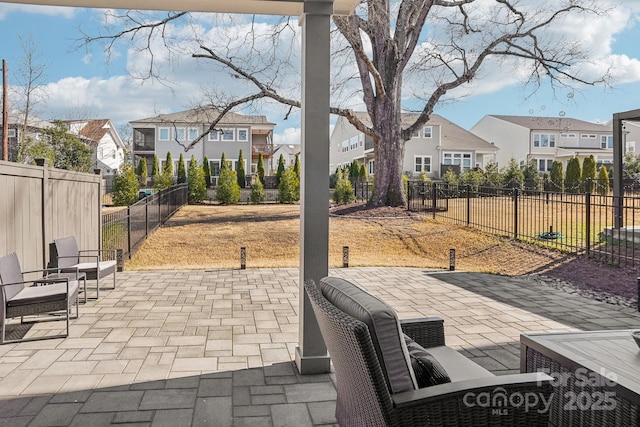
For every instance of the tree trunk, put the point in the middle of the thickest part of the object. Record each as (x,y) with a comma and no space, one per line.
(388,186)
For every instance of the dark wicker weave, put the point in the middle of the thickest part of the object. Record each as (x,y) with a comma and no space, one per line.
(565,411)
(363,397)
(57,298)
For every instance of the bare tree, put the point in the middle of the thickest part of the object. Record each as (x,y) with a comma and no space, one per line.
(422,49)
(30,89)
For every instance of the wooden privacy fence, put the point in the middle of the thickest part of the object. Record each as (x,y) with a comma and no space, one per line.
(39,204)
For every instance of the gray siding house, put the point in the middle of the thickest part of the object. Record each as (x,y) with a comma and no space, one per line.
(545,139)
(437,146)
(176,131)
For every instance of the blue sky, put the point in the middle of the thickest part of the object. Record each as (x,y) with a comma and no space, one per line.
(82,84)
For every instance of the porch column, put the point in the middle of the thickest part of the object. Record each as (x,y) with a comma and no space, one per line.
(311,354)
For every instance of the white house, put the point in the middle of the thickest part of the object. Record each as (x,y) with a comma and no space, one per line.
(439,145)
(288,152)
(545,139)
(108,149)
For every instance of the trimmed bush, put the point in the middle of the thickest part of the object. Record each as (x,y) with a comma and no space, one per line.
(572,176)
(588,174)
(492,176)
(281,168)
(163,181)
(182,172)
(228,190)
(289,187)
(125,187)
(296,167)
(155,170)
(513,176)
(602,185)
(168,164)
(206,166)
(242,179)
(556,177)
(260,168)
(450,177)
(142,172)
(196,184)
(343,192)
(532,180)
(257,192)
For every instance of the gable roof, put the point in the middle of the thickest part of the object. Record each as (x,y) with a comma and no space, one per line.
(452,136)
(560,124)
(206,115)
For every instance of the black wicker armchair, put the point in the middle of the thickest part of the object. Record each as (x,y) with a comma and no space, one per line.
(366,376)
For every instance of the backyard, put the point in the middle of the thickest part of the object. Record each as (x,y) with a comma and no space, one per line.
(210,237)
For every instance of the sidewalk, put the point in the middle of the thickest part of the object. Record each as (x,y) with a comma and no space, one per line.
(214,348)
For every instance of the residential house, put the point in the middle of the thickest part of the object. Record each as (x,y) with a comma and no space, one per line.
(440,144)
(33,129)
(178,132)
(545,139)
(631,137)
(288,152)
(108,149)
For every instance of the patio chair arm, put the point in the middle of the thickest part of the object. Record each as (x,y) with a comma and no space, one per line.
(43,270)
(113,252)
(519,398)
(426,331)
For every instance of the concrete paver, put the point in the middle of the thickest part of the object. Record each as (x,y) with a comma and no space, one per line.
(215,348)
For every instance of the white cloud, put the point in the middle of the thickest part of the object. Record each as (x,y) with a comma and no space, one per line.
(289,136)
(8,9)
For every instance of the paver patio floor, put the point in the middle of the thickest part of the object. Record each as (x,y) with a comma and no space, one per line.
(215,348)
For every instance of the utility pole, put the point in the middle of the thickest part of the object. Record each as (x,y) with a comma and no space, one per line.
(5,112)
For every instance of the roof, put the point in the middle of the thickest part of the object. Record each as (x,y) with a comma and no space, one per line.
(453,137)
(291,149)
(206,115)
(563,124)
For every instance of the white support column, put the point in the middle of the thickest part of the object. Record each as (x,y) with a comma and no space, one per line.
(311,355)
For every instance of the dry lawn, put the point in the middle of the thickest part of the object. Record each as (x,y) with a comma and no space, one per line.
(210,237)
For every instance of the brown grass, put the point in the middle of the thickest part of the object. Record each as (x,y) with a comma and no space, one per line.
(210,237)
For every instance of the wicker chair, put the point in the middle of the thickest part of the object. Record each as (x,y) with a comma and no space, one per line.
(18,300)
(363,391)
(67,256)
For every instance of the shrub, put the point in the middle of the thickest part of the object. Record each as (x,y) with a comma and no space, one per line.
(450,177)
(289,187)
(343,192)
(260,168)
(532,181)
(206,166)
(196,184)
(473,179)
(296,167)
(588,174)
(602,185)
(125,187)
(492,176)
(242,179)
(155,170)
(257,192)
(572,176)
(423,177)
(281,168)
(228,190)
(142,172)
(224,164)
(168,164)
(363,173)
(163,181)
(556,177)
(182,173)
(513,176)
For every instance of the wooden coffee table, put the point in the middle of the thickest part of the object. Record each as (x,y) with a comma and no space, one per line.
(596,376)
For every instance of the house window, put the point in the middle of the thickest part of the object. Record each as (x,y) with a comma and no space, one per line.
(11,133)
(606,141)
(353,143)
(422,164)
(426,132)
(544,165)
(243,135)
(416,134)
(461,159)
(214,135)
(214,165)
(194,133)
(164,134)
(229,135)
(178,134)
(631,146)
(361,139)
(371,167)
(345,146)
(544,140)
(568,135)
(588,136)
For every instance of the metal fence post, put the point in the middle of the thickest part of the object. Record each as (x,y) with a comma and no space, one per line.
(468,204)
(129,231)
(146,218)
(587,219)
(515,213)
(434,199)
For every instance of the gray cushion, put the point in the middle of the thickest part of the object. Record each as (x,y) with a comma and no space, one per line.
(46,293)
(427,370)
(11,272)
(384,328)
(458,367)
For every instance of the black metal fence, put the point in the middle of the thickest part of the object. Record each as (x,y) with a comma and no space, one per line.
(576,223)
(126,229)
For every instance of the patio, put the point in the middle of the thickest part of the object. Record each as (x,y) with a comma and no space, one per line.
(215,348)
